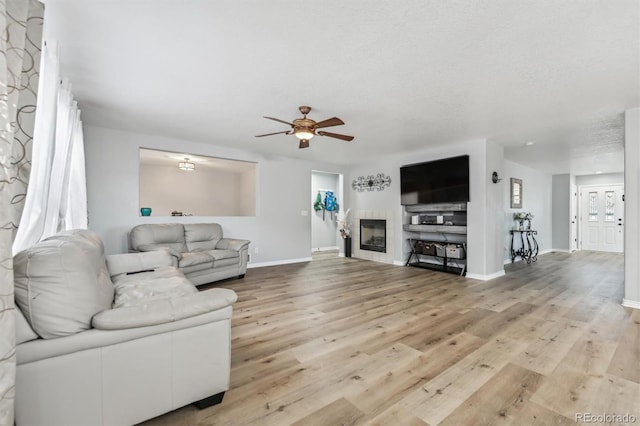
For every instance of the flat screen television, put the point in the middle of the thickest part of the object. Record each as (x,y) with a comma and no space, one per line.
(434,182)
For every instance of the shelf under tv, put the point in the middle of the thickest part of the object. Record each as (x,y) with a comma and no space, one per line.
(447,229)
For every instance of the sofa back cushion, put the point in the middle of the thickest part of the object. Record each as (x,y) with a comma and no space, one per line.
(202,236)
(62,282)
(24,332)
(154,236)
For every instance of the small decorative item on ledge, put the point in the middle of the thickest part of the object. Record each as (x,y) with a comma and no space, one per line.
(145,211)
(369,183)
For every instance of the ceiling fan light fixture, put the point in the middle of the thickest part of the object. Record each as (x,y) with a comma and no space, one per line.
(303,133)
(186,165)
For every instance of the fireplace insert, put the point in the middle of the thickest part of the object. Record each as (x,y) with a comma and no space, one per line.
(373,235)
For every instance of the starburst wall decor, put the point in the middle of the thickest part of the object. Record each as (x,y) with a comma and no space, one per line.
(369,183)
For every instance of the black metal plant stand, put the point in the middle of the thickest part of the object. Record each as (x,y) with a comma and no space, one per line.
(528,249)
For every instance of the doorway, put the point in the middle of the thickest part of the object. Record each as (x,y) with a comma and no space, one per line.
(324,229)
(602,218)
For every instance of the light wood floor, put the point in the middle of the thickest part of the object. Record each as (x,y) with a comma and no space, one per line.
(345,341)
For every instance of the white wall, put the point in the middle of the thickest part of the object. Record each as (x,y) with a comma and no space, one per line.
(536,199)
(323,231)
(602,179)
(561,211)
(203,192)
(279,230)
(632,209)
(481,237)
(248,184)
(495,227)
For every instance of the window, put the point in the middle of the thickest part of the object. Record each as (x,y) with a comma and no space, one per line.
(610,206)
(593,207)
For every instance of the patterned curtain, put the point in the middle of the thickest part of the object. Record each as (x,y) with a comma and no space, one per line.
(20,46)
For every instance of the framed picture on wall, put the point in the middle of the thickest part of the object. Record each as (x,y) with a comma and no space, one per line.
(516,193)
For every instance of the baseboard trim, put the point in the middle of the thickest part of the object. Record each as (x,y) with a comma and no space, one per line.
(630,304)
(317,249)
(278,262)
(398,263)
(547,251)
(486,277)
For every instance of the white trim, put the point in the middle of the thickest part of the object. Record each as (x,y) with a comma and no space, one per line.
(562,250)
(630,303)
(398,263)
(317,249)
(547,251)
(278,262)
(486,277)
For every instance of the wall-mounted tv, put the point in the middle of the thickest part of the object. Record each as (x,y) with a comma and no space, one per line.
(440,181)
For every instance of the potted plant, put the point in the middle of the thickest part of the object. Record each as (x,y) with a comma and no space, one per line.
(521,217)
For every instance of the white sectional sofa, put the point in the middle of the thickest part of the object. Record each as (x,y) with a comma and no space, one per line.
(198,249)
(113,340)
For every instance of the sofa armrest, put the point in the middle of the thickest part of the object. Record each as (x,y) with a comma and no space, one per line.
(232,244)
(137,262)
(154,247)
(164,311)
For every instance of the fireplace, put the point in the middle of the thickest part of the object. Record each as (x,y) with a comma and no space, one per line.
(373,235)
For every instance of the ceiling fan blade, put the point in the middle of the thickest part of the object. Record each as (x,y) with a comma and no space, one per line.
(286,132)
(281,121)
(336,135)
(304,143)
(335,121)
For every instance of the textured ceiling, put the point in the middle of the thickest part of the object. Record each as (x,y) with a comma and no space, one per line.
(403,75)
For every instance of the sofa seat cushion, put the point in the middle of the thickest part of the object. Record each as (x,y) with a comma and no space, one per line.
(224,257)
(62,282)
(195,258)
(143,288)
(166,310)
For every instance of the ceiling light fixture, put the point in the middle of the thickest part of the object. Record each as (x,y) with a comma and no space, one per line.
(529,143)
(303,133)
(186,165)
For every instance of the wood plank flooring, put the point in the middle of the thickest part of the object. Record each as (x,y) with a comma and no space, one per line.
(343,341)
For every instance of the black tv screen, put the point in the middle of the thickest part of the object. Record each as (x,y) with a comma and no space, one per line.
(440,181)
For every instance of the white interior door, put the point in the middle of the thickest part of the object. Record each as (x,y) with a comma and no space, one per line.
(602,218)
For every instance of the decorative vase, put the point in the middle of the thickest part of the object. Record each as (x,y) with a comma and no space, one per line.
(521,226)
(347,247)
(145,211)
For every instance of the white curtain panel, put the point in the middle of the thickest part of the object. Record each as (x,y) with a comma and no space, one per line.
(56,198)
(19,51)
(76,200)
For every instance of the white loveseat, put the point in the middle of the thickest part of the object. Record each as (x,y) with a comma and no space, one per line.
(87,358)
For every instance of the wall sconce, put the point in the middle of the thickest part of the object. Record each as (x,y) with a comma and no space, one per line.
(495,178)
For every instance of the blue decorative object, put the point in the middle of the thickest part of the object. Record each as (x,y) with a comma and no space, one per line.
(145,211)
